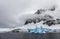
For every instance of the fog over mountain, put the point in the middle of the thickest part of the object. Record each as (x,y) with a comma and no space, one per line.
(13,11)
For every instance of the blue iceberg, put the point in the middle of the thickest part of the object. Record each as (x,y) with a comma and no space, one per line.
(39,30)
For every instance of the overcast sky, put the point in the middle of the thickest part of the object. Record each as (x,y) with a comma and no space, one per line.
(10,10)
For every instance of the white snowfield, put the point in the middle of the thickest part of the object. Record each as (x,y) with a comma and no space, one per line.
(32,26)
(3,30)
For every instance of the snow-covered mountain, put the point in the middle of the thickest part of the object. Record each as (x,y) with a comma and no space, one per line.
(46,18)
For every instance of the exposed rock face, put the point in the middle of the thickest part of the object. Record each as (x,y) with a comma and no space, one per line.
(28,21)
(32,21)
(40,11)
(58,21)
(50,22)
(53,8)
(47,17)
(36,20)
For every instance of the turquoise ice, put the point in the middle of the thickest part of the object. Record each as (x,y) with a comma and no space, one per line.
(39,30)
